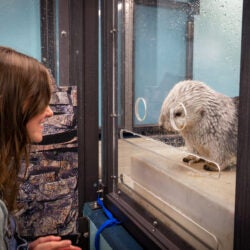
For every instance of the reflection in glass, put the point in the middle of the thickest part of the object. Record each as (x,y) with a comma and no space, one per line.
(172,41)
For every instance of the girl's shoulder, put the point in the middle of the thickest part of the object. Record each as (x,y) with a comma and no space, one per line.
(3,211)
(3,224)
(9,237)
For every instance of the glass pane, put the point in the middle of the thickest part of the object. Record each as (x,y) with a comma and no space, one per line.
(177,154)
(20,26)
(159,56)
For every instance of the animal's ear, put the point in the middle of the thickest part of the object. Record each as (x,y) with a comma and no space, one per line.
(202,113)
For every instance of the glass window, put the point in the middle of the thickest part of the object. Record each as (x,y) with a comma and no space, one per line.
(26,36)
(182,172)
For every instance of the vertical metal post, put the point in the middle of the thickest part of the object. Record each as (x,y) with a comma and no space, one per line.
(64,42)
(48,37)
(242,199)
(109,94)
(128,63)
(84,71)
(189,48)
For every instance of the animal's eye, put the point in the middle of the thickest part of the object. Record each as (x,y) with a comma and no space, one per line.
(177,114)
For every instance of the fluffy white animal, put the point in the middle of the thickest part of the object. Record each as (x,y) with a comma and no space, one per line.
(207,121)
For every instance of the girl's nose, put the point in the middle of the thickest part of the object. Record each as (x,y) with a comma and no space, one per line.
(49,112)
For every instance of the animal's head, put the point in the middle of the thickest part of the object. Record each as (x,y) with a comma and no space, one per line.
(184,106)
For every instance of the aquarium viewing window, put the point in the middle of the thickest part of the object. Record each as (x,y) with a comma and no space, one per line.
(155,45)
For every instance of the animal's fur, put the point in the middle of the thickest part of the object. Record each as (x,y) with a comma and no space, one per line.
(210,124)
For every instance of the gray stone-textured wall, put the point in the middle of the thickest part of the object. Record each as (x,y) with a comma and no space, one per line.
(48,190)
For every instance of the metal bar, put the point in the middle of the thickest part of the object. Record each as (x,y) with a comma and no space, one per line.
(84,59)
(128,45)
(48,39)
(242,201)
(109,94)
(165,4)
(189,48)
(141,224)
(64,42)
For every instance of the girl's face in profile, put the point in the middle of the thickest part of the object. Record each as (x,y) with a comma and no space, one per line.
(35,125)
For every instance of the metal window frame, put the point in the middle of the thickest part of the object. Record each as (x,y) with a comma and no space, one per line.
(84,71)
(242,199)
(86,77)
(78,58)
(109,128)
(122,206)
(127,96)
(48,39)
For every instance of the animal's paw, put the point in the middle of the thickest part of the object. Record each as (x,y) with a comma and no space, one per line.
(190,159)
(210,166)
(193,160)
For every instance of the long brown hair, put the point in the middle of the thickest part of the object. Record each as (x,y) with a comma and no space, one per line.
(24,93)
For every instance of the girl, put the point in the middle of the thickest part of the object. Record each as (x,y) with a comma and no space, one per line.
(24,106)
